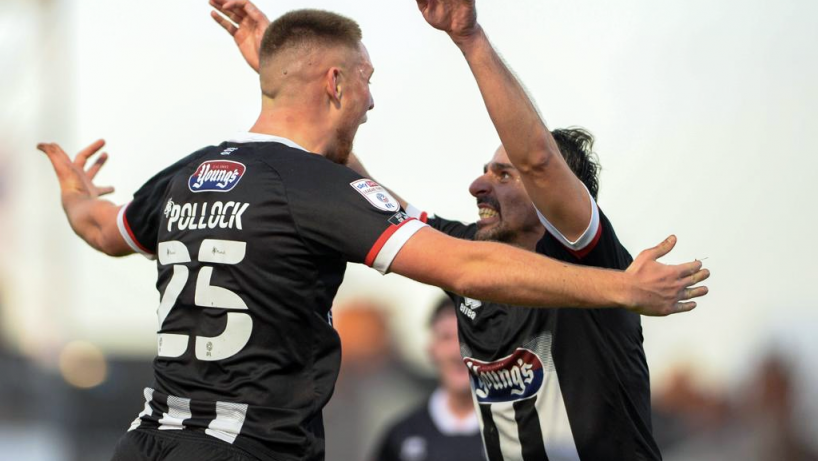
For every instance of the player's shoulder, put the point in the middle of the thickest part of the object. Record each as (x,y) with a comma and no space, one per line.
(290,160)
(608,232)
(610,252)
(603,250)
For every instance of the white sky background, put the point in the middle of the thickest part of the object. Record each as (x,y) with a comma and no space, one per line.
(702,110)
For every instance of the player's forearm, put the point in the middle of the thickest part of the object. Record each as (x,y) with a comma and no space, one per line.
(94,221)
(496,272)
(522,131)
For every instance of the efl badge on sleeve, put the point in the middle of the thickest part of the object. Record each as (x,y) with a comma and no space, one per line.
(376,195)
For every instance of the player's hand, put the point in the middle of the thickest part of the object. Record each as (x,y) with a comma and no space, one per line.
(247,26)
(458,18)
(661,289)
(75,180)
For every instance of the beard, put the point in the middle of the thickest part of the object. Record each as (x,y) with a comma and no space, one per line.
(344,139)
(505,232)
(497,233)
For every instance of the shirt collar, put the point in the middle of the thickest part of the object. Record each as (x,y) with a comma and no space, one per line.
(445,421)
(246,136)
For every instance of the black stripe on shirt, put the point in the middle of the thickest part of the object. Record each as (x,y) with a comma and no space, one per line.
(529,430)
(490,436)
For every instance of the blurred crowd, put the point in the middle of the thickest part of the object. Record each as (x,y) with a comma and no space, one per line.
(756,420)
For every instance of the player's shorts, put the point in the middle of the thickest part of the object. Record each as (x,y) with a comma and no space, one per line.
(145,444)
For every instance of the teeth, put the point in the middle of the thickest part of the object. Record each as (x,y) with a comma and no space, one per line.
(487,213)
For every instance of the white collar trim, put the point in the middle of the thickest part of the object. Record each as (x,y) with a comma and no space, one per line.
(246,136)
(445,421)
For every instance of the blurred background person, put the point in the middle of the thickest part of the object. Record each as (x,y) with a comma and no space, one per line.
(445,426)
(375,384)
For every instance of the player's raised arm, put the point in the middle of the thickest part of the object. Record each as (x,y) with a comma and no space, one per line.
(245,22)
(497,272)
(556,192)
(91,217)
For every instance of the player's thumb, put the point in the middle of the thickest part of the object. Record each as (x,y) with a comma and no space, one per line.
(663,248)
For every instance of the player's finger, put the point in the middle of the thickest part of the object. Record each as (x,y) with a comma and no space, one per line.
(235,4)
(256,14)
(58,158)
(684,307)
(661,249)
(224,22)
(236,9)
(697,277)
(695,292)
(688,269)
(98,163)
(104,190)
(51,149)
(92,149)
(233,15)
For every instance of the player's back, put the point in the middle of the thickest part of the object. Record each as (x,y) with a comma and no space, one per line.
(248,265)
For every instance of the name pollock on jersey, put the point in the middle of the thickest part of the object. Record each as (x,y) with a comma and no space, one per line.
(189,216)
(516,377)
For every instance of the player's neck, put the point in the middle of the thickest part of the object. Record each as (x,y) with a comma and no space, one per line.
(302,127)
(460,404)
(527,239)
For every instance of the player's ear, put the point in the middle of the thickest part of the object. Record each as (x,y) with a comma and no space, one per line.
(333,85)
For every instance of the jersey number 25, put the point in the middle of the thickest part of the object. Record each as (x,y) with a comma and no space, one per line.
(239,325)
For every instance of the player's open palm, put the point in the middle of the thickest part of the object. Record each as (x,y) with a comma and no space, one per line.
(74,178)
(458,18)
(247,26)
(664,289)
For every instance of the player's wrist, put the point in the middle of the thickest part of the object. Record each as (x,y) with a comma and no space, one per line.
(626,291)
(469,41)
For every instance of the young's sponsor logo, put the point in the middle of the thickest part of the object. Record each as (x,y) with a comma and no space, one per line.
(375,194)
(516,377)
(216,176)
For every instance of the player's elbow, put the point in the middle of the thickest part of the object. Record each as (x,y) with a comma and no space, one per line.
(110,242)
(538,159)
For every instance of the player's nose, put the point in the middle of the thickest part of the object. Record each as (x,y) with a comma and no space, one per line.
(480,186)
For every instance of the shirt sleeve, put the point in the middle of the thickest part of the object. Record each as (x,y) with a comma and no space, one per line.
(138,221)
(455,229)
(336,210)
(589,238)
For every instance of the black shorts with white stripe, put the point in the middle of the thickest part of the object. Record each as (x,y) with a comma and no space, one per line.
(148,444)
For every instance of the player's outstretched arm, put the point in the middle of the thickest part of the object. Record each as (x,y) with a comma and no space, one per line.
(501,273)
(555,190)
(92,218)
(245,22)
